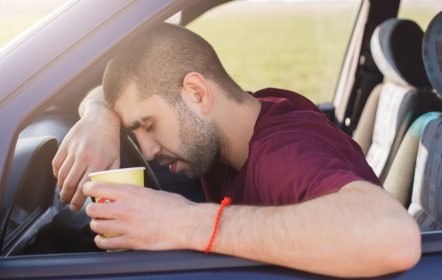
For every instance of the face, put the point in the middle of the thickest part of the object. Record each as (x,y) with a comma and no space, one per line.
(174,135)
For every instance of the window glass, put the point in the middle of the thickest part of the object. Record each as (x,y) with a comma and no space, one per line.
(18,15)
(420,11)
(296,45)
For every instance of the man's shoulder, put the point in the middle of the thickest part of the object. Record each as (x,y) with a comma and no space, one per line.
(298,132)
(282,121)
(290,99)
(283,111)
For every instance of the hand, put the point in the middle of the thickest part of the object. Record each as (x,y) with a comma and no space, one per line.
(92,144)
(139,218)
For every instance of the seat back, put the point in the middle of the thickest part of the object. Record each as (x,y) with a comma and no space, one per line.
(418,164)
(426,199)
(394,104)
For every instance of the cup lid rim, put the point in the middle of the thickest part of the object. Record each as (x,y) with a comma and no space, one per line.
(116,170)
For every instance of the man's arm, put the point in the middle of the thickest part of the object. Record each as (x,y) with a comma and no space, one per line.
(92,144)
(358,231)
(94,98)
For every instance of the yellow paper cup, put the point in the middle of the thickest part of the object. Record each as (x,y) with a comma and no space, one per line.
(129,176)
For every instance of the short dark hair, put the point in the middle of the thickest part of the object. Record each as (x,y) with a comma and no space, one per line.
(157,62)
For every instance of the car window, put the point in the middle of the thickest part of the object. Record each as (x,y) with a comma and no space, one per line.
(18,15)
(420,11)
(296,45)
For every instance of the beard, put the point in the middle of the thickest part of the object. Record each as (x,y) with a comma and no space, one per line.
(201,142)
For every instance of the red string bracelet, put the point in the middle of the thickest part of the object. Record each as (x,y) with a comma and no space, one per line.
(226,201)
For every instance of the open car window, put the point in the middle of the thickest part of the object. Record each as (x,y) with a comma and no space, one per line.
(296,45)
(293,58)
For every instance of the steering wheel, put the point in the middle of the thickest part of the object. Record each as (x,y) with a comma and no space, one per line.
(74,226)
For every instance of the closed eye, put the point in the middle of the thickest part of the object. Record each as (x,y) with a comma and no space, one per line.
(148,128)
(148,124)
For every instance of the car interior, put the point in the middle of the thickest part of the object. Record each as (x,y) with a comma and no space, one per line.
(420,151)
(404,95)
(399,130)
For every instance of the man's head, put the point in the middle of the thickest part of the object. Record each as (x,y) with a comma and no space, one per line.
(158,61)
(145,85)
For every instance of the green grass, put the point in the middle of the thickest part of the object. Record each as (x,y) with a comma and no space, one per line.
(302,52)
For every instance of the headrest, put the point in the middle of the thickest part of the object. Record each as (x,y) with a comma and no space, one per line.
(432,52)
(396,46)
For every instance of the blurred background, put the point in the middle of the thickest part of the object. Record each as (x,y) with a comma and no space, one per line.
(304,54)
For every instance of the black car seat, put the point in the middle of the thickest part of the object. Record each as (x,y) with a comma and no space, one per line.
(394,104)
(418,164)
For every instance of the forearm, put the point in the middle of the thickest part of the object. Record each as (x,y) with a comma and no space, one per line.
(94,98)
(342,234)
(94,103)
(92,144)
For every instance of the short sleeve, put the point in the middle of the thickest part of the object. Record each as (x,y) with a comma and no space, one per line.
(294,167)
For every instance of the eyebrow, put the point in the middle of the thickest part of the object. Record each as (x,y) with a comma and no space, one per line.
(136,124)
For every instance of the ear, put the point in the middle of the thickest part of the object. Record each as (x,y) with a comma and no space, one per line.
(197,93)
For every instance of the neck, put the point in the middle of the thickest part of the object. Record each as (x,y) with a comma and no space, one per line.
(238,127)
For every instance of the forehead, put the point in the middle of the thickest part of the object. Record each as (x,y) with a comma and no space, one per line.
(131,108)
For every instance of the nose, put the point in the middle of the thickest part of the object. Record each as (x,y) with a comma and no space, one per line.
(149,147)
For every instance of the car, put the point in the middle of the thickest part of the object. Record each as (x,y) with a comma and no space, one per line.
(47,71)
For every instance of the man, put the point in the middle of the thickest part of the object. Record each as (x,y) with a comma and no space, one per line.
(303,195)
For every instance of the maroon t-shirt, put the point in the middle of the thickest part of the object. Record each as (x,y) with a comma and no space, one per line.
(295,154)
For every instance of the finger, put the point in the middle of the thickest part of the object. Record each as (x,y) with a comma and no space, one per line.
(102,210)
(71,183)
(111,243)
(106,226)
(58,160)
(108,190)
(79,197)
(78,200)
(65,169)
